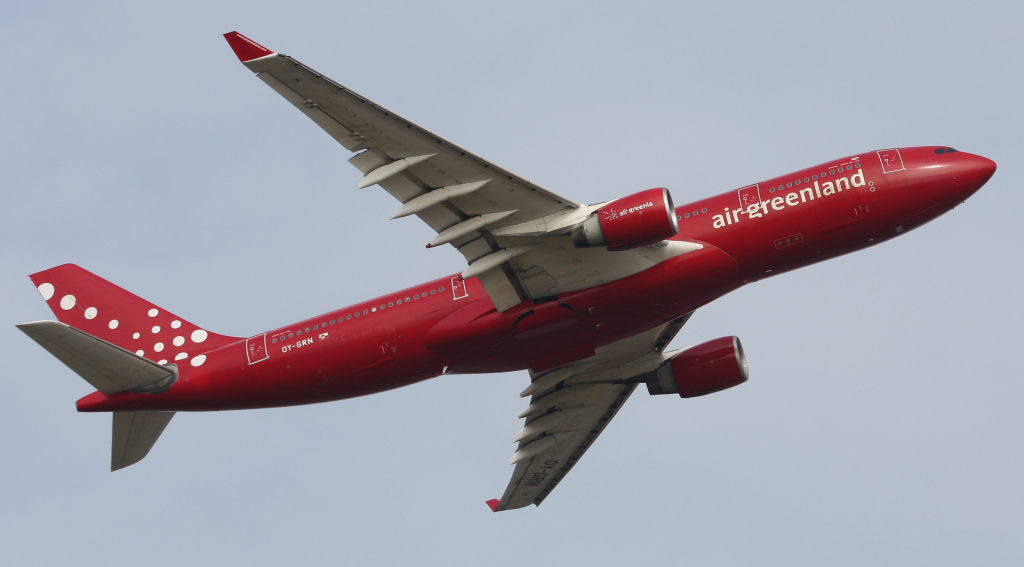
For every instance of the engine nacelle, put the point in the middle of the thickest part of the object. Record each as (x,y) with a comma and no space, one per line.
(630,222)
(703,369)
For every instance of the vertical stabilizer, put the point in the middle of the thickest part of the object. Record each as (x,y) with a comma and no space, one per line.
(99,308)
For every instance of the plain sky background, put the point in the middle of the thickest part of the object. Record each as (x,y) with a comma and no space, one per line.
(883,421)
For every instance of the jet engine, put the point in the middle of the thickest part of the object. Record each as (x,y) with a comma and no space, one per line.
(703,369)
(630,222)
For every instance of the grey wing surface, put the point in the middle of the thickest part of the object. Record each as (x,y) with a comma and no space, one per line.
(570,406)
(512,232)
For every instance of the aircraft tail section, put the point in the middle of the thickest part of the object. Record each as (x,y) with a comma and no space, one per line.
(99,308)
(118,342)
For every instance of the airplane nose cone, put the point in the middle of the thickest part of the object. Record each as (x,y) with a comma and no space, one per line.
(984,167)
(974,172)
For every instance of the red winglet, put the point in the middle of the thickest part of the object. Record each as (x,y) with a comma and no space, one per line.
(494,504)
(245,48)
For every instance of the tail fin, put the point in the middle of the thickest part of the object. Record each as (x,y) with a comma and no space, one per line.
(91,304)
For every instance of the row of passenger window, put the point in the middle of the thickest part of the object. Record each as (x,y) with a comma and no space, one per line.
(811,178)
(348,317)
(790,184)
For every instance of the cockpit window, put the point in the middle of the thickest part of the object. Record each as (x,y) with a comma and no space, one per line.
(940,150)
(950,151)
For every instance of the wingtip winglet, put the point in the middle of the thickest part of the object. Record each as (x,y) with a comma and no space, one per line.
(493,504)
(245,48)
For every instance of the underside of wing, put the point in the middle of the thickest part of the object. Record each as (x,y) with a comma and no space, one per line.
(571,405)
(513,233)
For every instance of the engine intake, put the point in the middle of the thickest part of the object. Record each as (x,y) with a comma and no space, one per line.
(704,369)
(630,222)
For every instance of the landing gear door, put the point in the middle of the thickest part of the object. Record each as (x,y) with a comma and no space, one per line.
(256,348)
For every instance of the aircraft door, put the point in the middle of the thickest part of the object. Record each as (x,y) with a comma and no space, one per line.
(256,348)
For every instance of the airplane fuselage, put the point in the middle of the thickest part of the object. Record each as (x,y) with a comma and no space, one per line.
(451,326)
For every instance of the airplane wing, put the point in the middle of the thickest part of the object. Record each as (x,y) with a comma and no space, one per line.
(502,223)
(570,406)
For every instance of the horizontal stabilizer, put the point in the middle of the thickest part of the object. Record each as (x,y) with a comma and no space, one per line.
(110,369)
(135,432)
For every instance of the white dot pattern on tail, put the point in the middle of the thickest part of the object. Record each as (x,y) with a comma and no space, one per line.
(139,352)
(178,341)
(199,336)
(112,324)
(90,313)
(156,329)
(153,312)
(135,336)
(67,302)
(181,355)
(175,324)
(199,360)
(159,347)
(46,290)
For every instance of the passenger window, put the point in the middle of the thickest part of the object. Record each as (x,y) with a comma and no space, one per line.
(274,341)
(687,215)
(440,288)
(798,182)
(789,184)
(703,210)
(814,177)
(694,213)
(357,313)
(315,327)
(299,332)
(416,296)
(307,329)
(291,335)
(772,190)
(391,304)
(857,164)
(806,179)
(432,292)
(349,317)
(365,311)
(831,172)
(332,321)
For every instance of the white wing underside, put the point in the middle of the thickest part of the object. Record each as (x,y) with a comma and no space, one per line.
(512,232)
(572,405)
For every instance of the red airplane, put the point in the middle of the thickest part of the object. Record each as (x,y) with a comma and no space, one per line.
(584,297)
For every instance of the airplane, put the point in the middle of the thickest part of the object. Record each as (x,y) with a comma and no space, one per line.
(586,298)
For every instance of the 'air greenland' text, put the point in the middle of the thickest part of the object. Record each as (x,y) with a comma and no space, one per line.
(757,210)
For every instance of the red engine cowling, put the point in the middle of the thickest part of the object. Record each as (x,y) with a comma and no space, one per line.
(703,369)
(630,222)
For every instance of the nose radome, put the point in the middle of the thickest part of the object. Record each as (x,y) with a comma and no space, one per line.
(985,167)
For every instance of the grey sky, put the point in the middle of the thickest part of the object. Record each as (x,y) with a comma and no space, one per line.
(882,424)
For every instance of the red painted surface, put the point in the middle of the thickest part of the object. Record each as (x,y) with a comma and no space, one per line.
(493,504)
(449,325)
(245,48)
(709,367)
(638,220)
